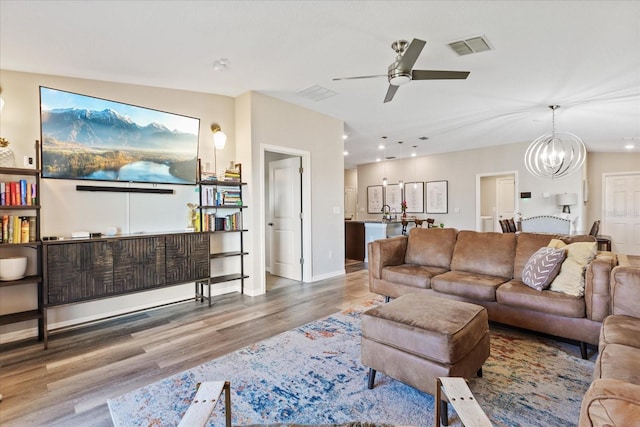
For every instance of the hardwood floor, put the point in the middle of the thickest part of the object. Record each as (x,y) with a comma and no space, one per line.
(69,384)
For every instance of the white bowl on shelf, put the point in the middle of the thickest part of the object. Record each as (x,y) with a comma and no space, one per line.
(13,268)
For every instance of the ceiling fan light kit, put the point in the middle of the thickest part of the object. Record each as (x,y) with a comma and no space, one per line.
(556,154)
(401,71)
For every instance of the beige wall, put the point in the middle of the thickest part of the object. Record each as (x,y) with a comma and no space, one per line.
(461,169)
(599,164)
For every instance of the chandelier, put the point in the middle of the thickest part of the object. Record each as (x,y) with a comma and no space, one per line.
(555,154)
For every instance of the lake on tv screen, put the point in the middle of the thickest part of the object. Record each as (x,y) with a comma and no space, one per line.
(141,171)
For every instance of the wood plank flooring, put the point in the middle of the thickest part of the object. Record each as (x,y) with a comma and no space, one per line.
(69,384)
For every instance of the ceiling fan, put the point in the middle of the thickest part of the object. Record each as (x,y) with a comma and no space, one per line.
(400,72)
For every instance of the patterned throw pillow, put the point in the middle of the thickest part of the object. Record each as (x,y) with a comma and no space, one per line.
(543,267)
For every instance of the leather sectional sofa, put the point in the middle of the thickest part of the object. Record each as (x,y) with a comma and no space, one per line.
(485,268)
(613,399)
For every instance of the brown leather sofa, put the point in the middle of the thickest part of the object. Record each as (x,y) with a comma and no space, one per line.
(485,268)
(613,399)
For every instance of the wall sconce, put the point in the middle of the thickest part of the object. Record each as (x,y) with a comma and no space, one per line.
(219,137)
(565,200)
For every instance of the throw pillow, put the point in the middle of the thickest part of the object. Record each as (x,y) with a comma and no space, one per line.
(570,280)
(543,266)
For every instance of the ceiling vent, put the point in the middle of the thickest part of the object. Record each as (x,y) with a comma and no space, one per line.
(471,45)
(316,93)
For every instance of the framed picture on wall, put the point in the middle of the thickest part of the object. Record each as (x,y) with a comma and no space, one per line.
(414,195)
(374,199)
(437,197)
(393,197)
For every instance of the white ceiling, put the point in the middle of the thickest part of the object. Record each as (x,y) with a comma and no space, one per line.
(581,55)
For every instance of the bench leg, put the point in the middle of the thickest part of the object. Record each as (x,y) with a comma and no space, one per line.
(444,413)
(372,377)
(583,350)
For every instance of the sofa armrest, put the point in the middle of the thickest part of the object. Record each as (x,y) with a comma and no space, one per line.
(610,402)
(597,293)
(625,291)
(386,252)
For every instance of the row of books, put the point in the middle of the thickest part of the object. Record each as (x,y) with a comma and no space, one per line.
(18,193)
(210,222)
(18,229)
(221,196)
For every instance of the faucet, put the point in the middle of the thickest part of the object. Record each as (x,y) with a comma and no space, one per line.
(386,215)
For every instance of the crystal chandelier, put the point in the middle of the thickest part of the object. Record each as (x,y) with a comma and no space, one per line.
(556,154)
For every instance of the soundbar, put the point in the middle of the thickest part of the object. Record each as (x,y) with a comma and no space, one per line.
(124,189)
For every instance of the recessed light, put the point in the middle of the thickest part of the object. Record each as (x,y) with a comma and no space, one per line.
(346,153)
(413,154)
(345,136)
(381,147)
(378,159)
(630,146)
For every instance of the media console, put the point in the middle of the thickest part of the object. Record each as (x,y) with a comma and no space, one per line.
(80,270)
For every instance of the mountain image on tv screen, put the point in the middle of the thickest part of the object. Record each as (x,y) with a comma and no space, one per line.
(84,137)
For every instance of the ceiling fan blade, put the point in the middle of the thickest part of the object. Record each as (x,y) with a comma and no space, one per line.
(410,56)
(390,93)
(438,75)
(359,77)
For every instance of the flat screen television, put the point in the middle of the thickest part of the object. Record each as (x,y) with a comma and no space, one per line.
(89,138)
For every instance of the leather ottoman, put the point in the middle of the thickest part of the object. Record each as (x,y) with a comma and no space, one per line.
(417,338)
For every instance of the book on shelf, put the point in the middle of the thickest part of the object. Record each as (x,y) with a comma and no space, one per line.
(18,193)
(18,229)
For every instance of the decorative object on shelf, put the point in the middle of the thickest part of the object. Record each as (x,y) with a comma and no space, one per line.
(13,268)
(556,154)
(7,158)
(219,137)
(566,200)
(193,216)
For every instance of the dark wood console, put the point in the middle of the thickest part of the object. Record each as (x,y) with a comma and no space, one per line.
(80,270)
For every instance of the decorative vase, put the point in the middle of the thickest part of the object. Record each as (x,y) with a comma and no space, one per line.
(404,215)
(7,158)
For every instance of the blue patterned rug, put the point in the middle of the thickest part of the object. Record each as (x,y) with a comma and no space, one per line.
(313,375)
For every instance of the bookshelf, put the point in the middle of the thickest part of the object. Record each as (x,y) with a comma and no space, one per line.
(221,211)
(20,236)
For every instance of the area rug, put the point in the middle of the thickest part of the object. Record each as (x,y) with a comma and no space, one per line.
(313,375)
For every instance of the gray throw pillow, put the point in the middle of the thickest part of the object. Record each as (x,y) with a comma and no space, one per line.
(543,267)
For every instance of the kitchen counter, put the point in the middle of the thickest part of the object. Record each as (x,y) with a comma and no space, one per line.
(373,230)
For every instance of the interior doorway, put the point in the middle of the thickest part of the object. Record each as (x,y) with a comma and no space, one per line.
(621,211)
(265,254)
(496,199)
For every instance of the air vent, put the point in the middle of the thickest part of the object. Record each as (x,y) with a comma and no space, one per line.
(316,93)
(471,45)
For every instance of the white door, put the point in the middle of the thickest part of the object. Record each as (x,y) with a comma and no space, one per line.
(285,204)
(349,202)
(505,200)
(621,219)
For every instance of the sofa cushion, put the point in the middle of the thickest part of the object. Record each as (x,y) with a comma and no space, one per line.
(431,246)
(570,280)
(516,294)
(610,403)
(479,287)
(411,274)
(619,329)
(526,245)
(488,254)
(618,362)
(543,267)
